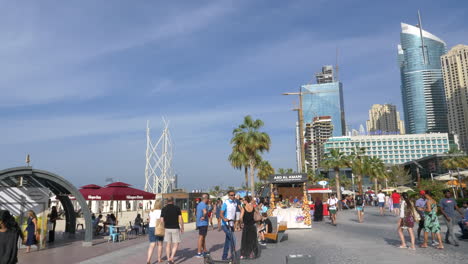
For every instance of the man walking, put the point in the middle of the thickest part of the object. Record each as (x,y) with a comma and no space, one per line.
(448,206)
(420,207)
(381,201)
(171,216)
(228,215)
(202,225)
(396,203)
(332,202)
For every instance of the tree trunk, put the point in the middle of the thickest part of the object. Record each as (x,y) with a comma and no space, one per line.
(460,184)
(376,185)
(359,183)
(252,180)
(338,190)
(246,171)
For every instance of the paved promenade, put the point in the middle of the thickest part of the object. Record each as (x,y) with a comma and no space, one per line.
(374,241)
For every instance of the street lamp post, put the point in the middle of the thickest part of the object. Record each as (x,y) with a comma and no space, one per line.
(301,122)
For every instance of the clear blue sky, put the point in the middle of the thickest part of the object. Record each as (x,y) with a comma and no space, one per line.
(79,80)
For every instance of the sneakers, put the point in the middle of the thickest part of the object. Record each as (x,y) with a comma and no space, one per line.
(262,243)
(199,255)
(434,243)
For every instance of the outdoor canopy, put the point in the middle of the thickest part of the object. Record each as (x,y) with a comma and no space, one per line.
(117,191)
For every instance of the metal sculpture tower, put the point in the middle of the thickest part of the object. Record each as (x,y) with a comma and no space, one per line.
(159,174)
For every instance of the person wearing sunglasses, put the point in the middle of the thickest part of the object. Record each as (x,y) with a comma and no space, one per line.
(228,215)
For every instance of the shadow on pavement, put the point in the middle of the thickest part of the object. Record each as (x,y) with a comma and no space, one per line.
(393,242)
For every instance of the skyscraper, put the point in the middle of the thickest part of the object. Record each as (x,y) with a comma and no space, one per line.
(316,134)
(455,71)
(422,86)
(325,99)
(384,119)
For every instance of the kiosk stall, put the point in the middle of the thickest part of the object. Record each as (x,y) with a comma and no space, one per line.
(322,193)
(284,189)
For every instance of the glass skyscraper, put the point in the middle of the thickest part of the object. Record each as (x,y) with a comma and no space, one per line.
(324,99)
(422,85)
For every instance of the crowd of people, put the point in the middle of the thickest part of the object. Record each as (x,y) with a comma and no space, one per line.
(234,214)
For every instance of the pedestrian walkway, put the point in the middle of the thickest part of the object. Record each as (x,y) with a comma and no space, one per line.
(375,240)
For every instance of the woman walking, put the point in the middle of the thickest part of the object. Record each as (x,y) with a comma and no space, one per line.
(154,239)
(209,209)
(9,234)
(249,245)
(31,229)
(431,221)
(218,205)
(407,220)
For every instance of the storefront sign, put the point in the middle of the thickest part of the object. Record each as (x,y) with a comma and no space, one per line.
(134,197)
(288,178)
(94,197)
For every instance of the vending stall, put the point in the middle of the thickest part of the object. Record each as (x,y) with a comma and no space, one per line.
(289,201)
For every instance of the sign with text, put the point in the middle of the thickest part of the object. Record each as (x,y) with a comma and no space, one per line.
(288,178)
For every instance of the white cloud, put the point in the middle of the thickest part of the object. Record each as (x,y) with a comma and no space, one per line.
(44,57)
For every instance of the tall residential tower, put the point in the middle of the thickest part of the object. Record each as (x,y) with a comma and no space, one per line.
(455,71)
(316,134)
(384,119)
(422,86)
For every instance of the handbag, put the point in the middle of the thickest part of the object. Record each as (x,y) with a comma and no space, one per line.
(159,230)
(257,216)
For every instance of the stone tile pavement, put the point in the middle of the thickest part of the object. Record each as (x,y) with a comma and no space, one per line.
(375,240)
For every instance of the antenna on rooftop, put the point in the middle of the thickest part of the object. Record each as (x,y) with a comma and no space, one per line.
(422,39)
(336,66)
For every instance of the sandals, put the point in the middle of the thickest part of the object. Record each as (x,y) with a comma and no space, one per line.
(402,247)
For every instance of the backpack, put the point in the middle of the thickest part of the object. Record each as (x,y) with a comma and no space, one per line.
(359,200)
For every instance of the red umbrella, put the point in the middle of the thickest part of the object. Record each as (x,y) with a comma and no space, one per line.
(120,191)
(91,192)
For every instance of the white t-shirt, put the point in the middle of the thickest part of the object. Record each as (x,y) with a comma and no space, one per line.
(332,203)
(153,216)
(381,197)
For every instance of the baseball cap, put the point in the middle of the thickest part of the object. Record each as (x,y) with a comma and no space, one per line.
(422,192)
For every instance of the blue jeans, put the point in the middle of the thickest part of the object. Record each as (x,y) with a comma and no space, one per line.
(229,242)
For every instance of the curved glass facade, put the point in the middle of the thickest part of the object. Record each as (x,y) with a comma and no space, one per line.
(422,85)
(325,99)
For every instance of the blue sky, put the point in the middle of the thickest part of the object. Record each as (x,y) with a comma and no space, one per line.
(79,80)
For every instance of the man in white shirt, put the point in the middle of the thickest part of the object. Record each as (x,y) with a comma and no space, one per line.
(228,215)
(381,200)
(332,202)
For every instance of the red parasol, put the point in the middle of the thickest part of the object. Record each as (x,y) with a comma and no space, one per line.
(120,191)
(117,191)
(91,192)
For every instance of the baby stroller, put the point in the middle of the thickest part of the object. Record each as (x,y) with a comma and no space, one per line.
(235,258)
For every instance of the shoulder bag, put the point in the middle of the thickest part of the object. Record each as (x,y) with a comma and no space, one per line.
(159,230)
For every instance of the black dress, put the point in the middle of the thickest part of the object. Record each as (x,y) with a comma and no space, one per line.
(318,213)
(249,245)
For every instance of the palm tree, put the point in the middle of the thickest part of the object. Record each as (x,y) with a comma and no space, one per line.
(358,163)
(376,170)
(335,160)
(285,171)
(455,163)
(239,160)
(265,170)
(398,175)
(249,140)
(312,177)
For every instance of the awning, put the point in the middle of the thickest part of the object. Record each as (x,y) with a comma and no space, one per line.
(319,190)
